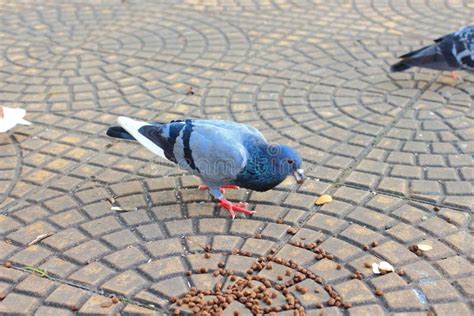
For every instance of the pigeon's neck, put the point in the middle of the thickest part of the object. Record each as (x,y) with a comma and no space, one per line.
(261,173)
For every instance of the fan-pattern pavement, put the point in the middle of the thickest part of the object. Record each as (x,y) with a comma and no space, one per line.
(394,151)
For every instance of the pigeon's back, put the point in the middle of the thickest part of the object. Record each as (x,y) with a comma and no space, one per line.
(212,149)
(463,47)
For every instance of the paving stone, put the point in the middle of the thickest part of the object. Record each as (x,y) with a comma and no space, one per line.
(11,275)
(310,298)
(405,233)
(65,239)
(46,310)
(420,271)
(121,239)
(101,226)
(164,247)
(125,283)
(30,232)
(351,195)
(150,231)
(67,296)
(58,267)
(394,253)
(214,225)
(258,247)
(361,235)
(35,285)
(131,309)
(87,251)
(447,308)
(340,249)
(403,299)
(18,303)
(95,305)
(327,269)
(227,243)
(92,274)
(171,287)
(355,291)
(326,223)
(245,227)
(30,256)
(158,269)
(388,281)
(6,249)
(126,258)
(239,263)
(366,310)
(438,227)
(370,218)
(455,266)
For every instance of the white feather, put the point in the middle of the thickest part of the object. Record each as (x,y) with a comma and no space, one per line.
(11,117)
(132,126)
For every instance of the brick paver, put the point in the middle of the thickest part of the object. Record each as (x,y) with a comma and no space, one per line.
(393,149)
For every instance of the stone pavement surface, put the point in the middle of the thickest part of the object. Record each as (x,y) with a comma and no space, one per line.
(394,151)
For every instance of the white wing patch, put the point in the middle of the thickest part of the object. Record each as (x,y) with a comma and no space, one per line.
(132,126)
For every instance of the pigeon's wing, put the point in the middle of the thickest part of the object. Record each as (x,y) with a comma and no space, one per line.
(214,153)
(462,47)
(217,154)
(240,129)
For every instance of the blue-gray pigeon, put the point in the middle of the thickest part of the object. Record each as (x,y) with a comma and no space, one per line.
(223,154)
(451,52)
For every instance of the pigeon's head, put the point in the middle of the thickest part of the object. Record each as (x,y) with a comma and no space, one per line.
(289,161)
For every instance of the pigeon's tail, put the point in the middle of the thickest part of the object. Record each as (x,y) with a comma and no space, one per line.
(400,66)
(140,132)
(427,57)
(119,132)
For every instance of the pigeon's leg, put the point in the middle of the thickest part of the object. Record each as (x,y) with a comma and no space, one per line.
(454,75)
(232,208)
(230,186)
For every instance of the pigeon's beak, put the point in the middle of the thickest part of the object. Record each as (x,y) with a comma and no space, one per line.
(299,175)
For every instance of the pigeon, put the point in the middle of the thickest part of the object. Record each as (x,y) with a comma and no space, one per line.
(451,52)
(223,154)
(10,117)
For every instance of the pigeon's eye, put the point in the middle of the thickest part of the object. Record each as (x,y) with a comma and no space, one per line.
(290,161)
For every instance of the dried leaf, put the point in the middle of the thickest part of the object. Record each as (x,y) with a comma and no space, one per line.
(424,247)
(39,238)
(323,199)
(385,266)
(106,304)
(375,268)
(119,209)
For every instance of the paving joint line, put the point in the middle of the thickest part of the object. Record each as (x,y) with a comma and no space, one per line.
(101,292)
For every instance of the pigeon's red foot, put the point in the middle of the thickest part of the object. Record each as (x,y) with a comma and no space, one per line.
(232,208)
(454,75)
(205,187)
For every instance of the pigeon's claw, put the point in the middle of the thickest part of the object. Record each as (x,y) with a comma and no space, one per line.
(454,75)
(232,208)
(203,187)
(230,186)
